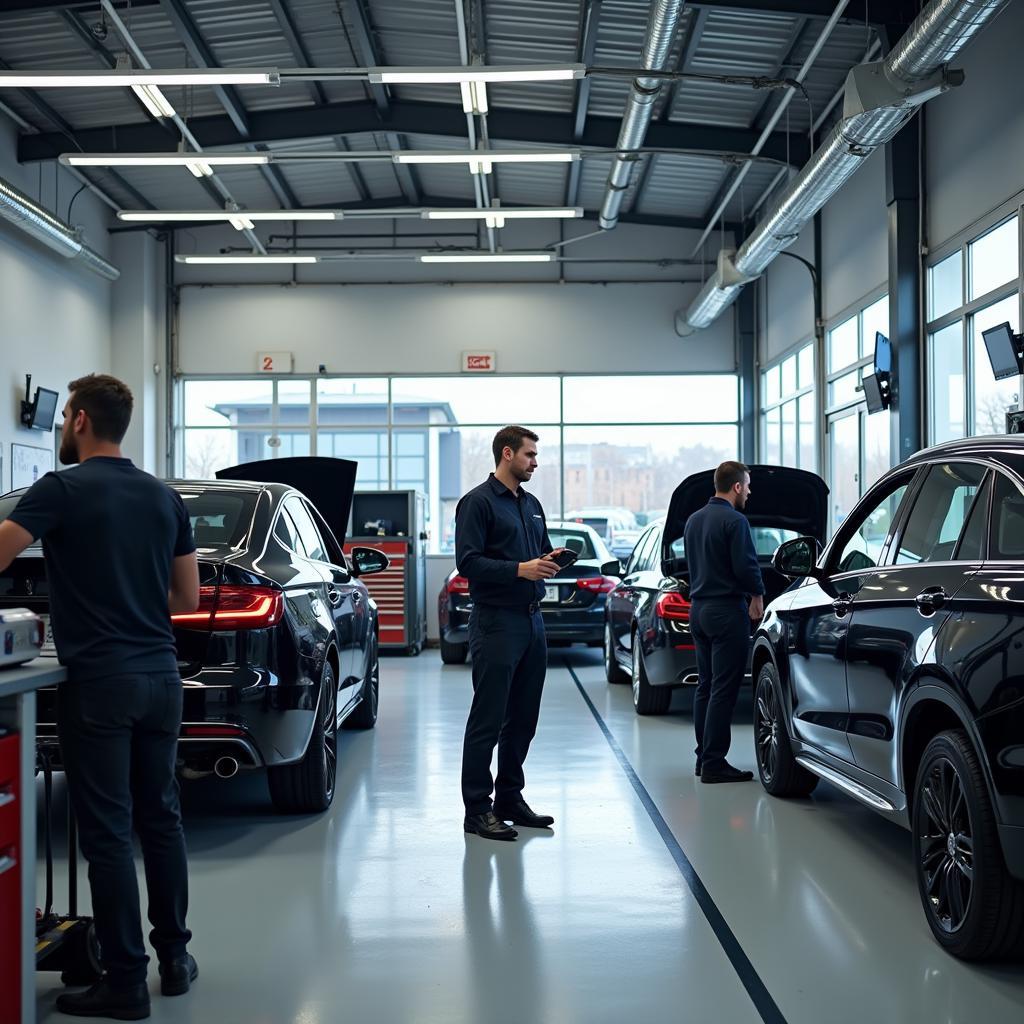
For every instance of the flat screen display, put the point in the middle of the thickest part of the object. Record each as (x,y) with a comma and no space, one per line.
(883,353)
(873,394)
(44,408)
(1002,351)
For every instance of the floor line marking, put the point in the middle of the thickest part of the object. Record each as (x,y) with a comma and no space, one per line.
(749,978)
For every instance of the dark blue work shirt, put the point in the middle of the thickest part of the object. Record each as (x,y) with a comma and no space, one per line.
(720,554)
(495,530)
(110,533)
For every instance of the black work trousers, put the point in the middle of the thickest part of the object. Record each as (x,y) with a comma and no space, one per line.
(721,631)
(118,739)
(509,652)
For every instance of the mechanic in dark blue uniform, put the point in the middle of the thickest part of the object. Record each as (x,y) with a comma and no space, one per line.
(119,560)
(502,548)
(727,594)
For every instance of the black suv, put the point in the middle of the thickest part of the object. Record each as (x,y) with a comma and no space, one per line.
(895,670)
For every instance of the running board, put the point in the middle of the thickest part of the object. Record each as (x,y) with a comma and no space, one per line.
(854,789)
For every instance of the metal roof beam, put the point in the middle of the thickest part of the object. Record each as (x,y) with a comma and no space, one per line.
(586,51)
(694,34)
(367,52)
(534,127)
(408,181)
(353,169)
(298,46)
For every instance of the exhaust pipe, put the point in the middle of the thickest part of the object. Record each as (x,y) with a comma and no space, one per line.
(225,767)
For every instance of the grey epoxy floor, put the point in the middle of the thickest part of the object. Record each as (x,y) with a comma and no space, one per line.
(382,910)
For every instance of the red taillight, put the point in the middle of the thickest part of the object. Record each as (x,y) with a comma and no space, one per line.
(234,607)
(211,731)
(458,585)
(40,633)
(597,584)
(673,605)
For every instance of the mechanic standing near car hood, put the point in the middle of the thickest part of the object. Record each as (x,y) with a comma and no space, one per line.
(727,594)
(501,538)
(119,560)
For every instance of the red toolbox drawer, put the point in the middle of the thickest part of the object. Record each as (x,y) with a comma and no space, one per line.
(10,881)
(9,809)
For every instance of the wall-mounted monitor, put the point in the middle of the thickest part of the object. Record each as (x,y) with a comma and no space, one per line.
(1003,352)
(39,413)
(883,353)
(876,392)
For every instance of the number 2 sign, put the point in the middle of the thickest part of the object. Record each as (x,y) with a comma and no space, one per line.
(274,362)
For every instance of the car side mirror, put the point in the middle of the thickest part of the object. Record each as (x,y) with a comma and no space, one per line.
(368,561)
(613,568)
(798,558)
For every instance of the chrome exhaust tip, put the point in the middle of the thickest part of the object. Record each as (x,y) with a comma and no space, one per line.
(225,767)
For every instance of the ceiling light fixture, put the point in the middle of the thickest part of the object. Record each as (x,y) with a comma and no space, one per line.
(246,259)
(481,161)
(457,75)
(168,216)
(474,97)
(199,168)
(506,213)
(163,159)
(488,257)
(153,100)
(135,76)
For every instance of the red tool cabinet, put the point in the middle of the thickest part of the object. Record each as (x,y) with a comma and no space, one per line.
(10,877)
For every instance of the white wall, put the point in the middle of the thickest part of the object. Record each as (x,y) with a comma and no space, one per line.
(56,316)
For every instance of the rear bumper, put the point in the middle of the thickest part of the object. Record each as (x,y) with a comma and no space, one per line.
(666,665)
(582,625)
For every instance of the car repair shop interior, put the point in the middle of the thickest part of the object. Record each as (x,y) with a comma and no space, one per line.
(662,234)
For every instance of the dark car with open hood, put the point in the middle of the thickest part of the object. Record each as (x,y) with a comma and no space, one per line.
(647,639)
(894,669)
(282,650)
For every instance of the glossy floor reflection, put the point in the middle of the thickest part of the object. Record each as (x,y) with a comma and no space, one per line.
(382,910)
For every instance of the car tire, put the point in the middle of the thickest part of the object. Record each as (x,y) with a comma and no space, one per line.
(777,767)
(974,907)
(365,714)
(613,671)
(647,699)
(453,654)
(307,787)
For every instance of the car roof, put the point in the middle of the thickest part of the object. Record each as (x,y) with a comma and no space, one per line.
(245,486)
(990,444)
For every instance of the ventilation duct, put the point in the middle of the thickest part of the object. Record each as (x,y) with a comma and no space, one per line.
(28,215)
(661,30)
(880,98)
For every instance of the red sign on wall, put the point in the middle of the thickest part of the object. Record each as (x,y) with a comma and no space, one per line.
(479,362)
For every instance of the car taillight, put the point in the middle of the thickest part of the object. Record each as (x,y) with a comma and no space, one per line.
(211,731)
(234,607)
(597,584)
(458,585)
(672,605)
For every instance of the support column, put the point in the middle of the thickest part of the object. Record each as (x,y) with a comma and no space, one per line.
(746,361)
(902,186)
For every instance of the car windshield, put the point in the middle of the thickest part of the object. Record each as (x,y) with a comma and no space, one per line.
(578,540)
(220,519)
(766,540)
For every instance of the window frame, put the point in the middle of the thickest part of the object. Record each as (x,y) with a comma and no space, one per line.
(793,397)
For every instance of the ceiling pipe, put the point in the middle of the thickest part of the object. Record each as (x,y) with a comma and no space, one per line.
(31,218)
(661,31)
(880,98)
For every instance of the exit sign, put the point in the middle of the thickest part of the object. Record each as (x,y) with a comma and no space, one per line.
(479,362)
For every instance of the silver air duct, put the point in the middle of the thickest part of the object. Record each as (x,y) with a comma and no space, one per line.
(880,98)
(661,30)
(28,215)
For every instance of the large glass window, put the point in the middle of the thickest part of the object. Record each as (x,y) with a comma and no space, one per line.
(788,412)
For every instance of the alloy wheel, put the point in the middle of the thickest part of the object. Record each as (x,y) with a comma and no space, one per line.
(373,683)
(330,722)
(609,655)
(636,668)
(947,845)
(766,730)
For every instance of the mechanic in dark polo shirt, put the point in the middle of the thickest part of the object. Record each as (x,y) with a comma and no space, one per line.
(502,548)
(727,594)
(119,559)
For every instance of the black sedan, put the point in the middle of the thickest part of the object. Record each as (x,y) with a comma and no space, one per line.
(283,648)
(647,639)
(573,605)
(895,670)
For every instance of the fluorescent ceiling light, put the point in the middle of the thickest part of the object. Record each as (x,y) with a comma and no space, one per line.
(456,75)
(135,76)
(167,216)
(505,213)
(474,97)
(246,259)
(480,161)
(487,257)
(199,169)
(154,100)
(163,159)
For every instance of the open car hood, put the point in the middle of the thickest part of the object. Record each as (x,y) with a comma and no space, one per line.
(327,482)
(783,498)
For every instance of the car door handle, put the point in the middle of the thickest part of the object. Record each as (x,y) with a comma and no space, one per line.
(842,605)
(334,596)
(931,600)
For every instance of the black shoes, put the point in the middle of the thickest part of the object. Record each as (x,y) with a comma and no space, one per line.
(177,975)
(101,1000)
(487,826)
(519,813)
(725,773)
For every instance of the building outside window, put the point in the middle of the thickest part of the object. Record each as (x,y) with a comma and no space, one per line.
(789,422)
(434,434)
(972,288)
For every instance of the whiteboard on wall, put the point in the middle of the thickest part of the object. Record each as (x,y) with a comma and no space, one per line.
(28,464)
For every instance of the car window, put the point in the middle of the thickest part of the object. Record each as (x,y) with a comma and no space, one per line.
(650,557)
(768,538)
(1006,533)
(633,565)
(940,511)
(974,542)
(862,537)
(219,519)
(308,532)
(575,539)
(287,534)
